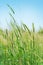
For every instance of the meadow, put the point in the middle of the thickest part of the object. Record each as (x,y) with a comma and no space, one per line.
(20,45)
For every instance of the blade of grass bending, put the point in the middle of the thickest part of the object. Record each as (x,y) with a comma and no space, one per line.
(25,27)
(11,9)
(12,17)
(15,23)
(18,30)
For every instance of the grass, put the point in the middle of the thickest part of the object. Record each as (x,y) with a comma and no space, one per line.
(19,45)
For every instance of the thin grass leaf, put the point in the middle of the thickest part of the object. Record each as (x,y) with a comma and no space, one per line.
(33,34)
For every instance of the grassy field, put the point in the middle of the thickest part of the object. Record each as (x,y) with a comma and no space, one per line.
(20,46)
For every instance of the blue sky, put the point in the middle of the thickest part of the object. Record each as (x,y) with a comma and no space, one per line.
(27,11)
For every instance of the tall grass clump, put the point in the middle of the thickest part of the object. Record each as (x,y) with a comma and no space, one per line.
(19,45)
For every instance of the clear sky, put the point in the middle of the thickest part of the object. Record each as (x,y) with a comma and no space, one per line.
(27,11)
